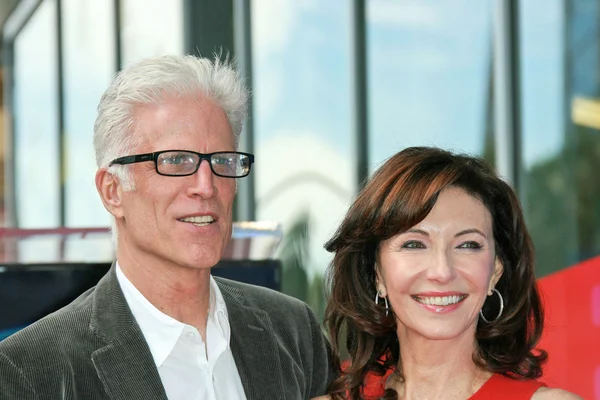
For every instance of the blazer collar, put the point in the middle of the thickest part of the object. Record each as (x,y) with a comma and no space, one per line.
(124,363)
(253,344)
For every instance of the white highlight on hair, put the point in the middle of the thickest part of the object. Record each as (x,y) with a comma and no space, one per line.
(152,81)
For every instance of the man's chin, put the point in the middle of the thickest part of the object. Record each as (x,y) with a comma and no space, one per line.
(205,256)
(201,262)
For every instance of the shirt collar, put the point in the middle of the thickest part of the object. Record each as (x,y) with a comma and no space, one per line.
(218,310)
(162,331)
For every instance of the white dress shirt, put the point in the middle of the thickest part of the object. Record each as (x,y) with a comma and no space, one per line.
(188,369)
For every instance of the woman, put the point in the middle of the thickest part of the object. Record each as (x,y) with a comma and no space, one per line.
(433,292)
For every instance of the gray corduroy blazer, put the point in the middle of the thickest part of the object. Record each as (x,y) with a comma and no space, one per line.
(94,349)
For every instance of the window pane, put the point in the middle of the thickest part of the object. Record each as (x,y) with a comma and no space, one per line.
(303,134)
(151,28)
(89,65)
(36,121)
(560,71)
(548,195)
(561,129)
(428,75)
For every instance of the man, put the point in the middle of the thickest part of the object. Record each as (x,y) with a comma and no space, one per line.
(158,326)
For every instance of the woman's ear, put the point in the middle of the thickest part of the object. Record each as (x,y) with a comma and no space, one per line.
(496,275)
(110,191)
(379,282)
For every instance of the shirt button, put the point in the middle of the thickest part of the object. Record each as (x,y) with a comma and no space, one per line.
(190,335)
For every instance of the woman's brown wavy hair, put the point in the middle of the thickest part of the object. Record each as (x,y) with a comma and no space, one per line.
(398,196)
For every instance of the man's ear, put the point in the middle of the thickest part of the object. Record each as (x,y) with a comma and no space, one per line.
(496,275)
(110,191)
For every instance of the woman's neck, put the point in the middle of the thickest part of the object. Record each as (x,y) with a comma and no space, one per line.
(438,369)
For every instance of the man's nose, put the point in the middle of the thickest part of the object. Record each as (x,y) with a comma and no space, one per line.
(442,267)
(204,181)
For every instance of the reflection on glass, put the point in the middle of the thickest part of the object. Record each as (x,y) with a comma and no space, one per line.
(428,75)
(561,142)
(561,149)
(303,138)
(547,183)
(89,64)
(582,66)
(151,28)
(36,123)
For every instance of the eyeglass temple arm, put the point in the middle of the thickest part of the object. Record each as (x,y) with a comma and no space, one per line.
(133,159)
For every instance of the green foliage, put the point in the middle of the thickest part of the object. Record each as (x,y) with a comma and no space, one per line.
(294,258)
(562,202)
(316,295)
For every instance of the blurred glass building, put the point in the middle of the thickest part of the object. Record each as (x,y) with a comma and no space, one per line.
(338,86)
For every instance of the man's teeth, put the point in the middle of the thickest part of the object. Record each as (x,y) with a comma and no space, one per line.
(439,301)
(199,220)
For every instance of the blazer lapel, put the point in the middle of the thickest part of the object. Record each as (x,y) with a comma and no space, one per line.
(124,365)
(253,345)
(127,369)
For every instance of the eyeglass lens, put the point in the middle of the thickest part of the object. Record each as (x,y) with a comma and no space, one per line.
(185,163)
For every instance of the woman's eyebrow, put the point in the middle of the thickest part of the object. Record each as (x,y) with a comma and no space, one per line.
(471,230)
(419,231)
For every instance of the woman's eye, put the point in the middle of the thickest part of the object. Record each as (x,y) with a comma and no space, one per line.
(413,244)
(469,245)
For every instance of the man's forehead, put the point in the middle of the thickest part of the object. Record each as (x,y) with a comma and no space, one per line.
(155,122)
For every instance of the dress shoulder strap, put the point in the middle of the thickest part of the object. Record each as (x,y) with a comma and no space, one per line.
(502,387)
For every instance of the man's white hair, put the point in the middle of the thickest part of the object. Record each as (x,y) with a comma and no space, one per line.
(151,81)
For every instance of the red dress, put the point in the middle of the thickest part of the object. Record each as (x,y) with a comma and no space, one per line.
(497,387)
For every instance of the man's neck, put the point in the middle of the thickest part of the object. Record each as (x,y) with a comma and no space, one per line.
(181,293)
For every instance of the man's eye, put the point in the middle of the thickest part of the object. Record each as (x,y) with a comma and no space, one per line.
(177,159)
(413,244)
(222,161)
(469,245)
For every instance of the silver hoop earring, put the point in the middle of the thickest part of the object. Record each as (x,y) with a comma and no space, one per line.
(387,306)
(499,312)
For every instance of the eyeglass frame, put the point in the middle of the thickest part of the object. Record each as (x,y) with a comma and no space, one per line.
(137,158)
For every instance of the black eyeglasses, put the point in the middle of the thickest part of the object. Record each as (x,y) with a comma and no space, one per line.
(228,164)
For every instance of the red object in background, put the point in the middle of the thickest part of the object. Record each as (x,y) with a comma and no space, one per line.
(572,330)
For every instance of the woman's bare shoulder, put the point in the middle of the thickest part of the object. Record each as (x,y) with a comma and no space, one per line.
(554,394)
(321,398)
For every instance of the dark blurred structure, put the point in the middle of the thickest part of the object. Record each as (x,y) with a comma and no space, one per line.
(32,284)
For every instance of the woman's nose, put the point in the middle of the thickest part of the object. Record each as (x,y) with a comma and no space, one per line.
(441,268)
